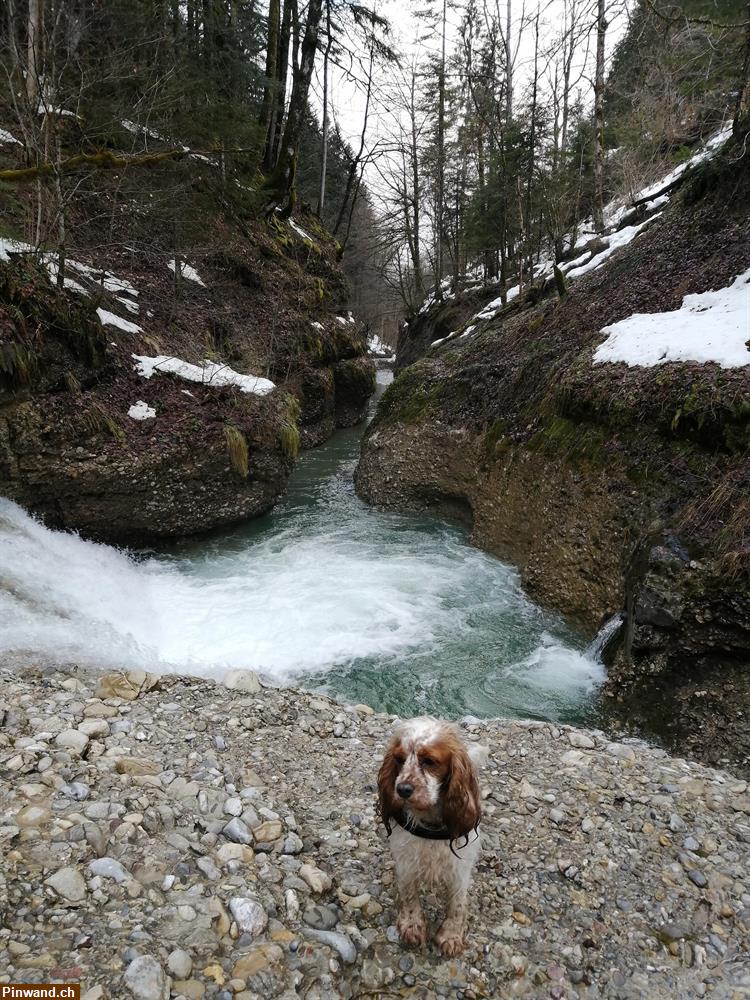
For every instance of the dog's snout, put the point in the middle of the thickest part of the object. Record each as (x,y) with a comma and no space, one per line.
(404,790)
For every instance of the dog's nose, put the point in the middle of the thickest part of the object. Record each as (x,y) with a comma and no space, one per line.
(405,790)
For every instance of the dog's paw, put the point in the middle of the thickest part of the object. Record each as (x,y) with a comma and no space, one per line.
(450,943)
(413,932)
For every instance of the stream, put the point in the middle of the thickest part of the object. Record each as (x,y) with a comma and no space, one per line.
(395,610)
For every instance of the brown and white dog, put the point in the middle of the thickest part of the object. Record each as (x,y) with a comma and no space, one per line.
(430,804)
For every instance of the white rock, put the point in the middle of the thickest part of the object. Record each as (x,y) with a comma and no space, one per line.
(72,739)
(146,980)
(580,740)
(291,902)
(68,882)
(242,680)
(233,806)
(250,916)
(318,880)
(180,964)
(94,728)
(108,868)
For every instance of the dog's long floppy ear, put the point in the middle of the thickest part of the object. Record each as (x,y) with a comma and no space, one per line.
(461,798)
(386,788)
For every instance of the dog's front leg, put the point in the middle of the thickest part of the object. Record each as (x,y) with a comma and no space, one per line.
(411,923)
(451,936)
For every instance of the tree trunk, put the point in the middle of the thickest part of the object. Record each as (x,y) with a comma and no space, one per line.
(601,31)
(282,68)
(324,150)
(440,196)
(742,115)
(34,49)
(272,52)
(280,185)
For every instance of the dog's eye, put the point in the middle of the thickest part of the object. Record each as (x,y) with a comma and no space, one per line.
(428,762)
(399,759)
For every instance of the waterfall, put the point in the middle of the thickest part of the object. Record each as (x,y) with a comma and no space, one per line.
(608,631)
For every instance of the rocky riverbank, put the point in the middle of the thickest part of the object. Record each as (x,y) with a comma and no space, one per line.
(178,837)
(615,487)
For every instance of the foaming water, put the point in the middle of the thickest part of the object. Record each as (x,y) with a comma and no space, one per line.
(395,610)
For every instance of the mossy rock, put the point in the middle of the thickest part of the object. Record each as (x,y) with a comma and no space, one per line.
(47,334)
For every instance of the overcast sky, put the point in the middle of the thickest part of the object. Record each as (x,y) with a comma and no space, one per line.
(414,40)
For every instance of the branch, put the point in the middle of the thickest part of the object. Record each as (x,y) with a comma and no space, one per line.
(684,19)
(103,160)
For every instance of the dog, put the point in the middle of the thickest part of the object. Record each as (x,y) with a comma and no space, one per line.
(429,801)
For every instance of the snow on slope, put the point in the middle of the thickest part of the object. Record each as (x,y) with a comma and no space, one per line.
(187,272)
(112,319)
(141,411)
(588,261)
(710,327)
(207,374)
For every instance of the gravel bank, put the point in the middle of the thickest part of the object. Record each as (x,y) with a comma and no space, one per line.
(178,837)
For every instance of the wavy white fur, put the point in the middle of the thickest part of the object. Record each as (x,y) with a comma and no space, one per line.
(428,779)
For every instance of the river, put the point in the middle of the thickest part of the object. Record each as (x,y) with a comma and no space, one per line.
(395,610)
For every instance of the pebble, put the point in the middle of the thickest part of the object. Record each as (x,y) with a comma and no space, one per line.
(181,846)
(579,740)
(145,979)
(68,883)
(108,868)
(180,964)
(72,739)
(250,916)
(339,942)
(237,831)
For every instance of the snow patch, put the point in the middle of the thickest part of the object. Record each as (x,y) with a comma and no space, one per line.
(712,326)
(208,373)
(130,306)
(619,239)
(299,230)
(6,137)
(141,411)
(8,246)
(379,348)
(187,272)
(111,319)
(317,326)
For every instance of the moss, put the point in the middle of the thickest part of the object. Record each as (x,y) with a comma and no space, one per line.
(495,441)
(36,315)
(98,420)
(239,456)
(578,444)
(288,435)
(408,400)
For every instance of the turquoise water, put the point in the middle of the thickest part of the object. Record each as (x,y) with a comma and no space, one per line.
(398,611)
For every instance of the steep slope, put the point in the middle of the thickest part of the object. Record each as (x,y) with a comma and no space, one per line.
(207,367)
(614,487)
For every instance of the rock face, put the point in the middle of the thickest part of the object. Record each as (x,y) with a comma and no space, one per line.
(89,443)
(613,488)
(609,869)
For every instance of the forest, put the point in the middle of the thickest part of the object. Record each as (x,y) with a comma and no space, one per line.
(475,156)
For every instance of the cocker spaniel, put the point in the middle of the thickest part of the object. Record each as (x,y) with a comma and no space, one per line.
(429,801)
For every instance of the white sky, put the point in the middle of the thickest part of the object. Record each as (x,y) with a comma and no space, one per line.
(413,40)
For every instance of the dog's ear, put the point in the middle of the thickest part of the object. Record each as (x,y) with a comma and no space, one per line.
(461,799)
(386,788)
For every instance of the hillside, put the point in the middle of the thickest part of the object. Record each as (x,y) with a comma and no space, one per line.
(100,429)
(615,485)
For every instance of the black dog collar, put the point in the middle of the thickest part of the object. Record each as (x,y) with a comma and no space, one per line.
(426,832)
